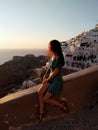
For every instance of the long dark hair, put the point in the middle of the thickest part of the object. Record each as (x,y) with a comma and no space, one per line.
(56,47)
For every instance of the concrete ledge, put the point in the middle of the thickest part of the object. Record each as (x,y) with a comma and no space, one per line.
(81,73)
(19,108)
(66,78)
(19,94)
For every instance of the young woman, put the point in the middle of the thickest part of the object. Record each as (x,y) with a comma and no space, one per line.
(53,84)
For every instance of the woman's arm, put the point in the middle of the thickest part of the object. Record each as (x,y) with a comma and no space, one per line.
(47,73)
(52,75)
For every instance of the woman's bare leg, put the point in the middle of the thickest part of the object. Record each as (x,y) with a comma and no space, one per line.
(41,92)
(48,99)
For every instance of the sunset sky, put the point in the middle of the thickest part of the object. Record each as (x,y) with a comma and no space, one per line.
(33,23)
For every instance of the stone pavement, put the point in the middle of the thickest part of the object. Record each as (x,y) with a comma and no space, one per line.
(86,119)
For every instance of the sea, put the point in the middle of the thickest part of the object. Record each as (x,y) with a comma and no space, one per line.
(7,54)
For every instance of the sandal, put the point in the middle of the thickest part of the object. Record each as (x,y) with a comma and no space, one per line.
(41,116)
(69,106)
(65,108)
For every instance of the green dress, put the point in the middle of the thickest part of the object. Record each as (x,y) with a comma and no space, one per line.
(56,84)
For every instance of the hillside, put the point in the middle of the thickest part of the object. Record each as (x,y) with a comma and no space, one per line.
(15,71)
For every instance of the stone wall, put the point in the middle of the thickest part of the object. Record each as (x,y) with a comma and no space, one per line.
(20,108)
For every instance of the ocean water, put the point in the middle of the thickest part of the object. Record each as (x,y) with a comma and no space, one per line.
(7,54)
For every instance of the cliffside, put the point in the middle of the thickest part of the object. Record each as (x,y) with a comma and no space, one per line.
(15,71)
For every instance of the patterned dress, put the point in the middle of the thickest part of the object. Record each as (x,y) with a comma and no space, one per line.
(56,84)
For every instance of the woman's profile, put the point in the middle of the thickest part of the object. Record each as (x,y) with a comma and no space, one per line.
(53,83)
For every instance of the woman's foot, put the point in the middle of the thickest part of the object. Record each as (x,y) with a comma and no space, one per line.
(70,106)
(41,116)
(65,108)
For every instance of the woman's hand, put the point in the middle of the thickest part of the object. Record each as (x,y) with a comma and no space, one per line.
(44,81)
(44,77)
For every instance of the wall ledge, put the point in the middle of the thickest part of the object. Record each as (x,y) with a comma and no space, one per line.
(34,89)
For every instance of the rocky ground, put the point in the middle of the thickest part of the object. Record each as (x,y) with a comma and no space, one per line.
(86,119)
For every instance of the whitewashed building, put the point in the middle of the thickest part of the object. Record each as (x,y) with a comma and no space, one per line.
(82,51)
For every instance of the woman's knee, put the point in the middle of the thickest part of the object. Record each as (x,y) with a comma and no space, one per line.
(46,100)
(42,89)
(40,92)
